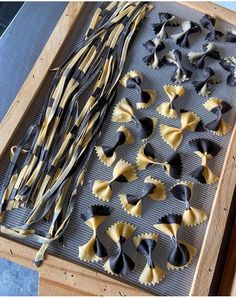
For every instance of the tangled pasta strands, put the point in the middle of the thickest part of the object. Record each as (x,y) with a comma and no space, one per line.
(122,172)
(120,263)
(203,87)
(133,80)
(64,140)
(173,136)
(197,59)
(147,156)
(206,150)
(107,154)
(124,112)
(152,188)
(151,274)
(181,253)
(192,216)
(94,250)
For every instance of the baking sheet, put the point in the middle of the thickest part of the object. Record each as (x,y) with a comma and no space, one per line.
(77,233)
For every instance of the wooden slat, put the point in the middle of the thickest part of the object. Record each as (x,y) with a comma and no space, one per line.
(30,88)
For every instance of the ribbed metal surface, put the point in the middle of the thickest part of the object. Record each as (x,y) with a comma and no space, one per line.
(176,282)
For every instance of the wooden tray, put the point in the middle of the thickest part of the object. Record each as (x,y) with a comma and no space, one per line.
(60,277)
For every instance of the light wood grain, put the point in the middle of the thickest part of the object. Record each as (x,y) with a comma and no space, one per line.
(60,277)
(29,89)
(213,9)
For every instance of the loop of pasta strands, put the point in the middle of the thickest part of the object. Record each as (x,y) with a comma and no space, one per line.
(181,38)
(208,22)
(122,172)
(147,156)
(218,107)
(65,139)
(123,112)
(152,188)
(94,250)
(120,263)
(202,87)
(180,74)
(133,80)
(197,59)
(173,136)
(181,253)
(107,154)
(166,20)
(167,109)
(151,274)
(153,46)
(206,150)
(192,216)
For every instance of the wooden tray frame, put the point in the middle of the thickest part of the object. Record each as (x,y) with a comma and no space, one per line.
(60,277)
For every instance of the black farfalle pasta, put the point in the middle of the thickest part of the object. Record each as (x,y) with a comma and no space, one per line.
(107,154)
(202,87)
(183,191)
(133,80)
(181,74)
(182,38)
(147,156)
(197,59)
(151,274)
(124,112)
(208,22)
(218,107)
(154,46)
(166,20)
(152,188)
(120,263)
(205,149)
(181,253)
(94,250)
(229,64)
(122,172)
(231,35)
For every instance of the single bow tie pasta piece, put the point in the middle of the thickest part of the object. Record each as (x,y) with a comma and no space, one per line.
(192,216)
(147,156)
(94,250)
(173,136)
(152,188)
(202,87)
(166,19)
(218,107)
(180,74)
(120,263)
(208,22)
(231,35)
(197,59)
(123,112)
(122,172)
(153,46)
(151,274)
(133,80)
(107,154)
(181,253)
(167,108)
(181,38)
(205,149)
(229,64)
